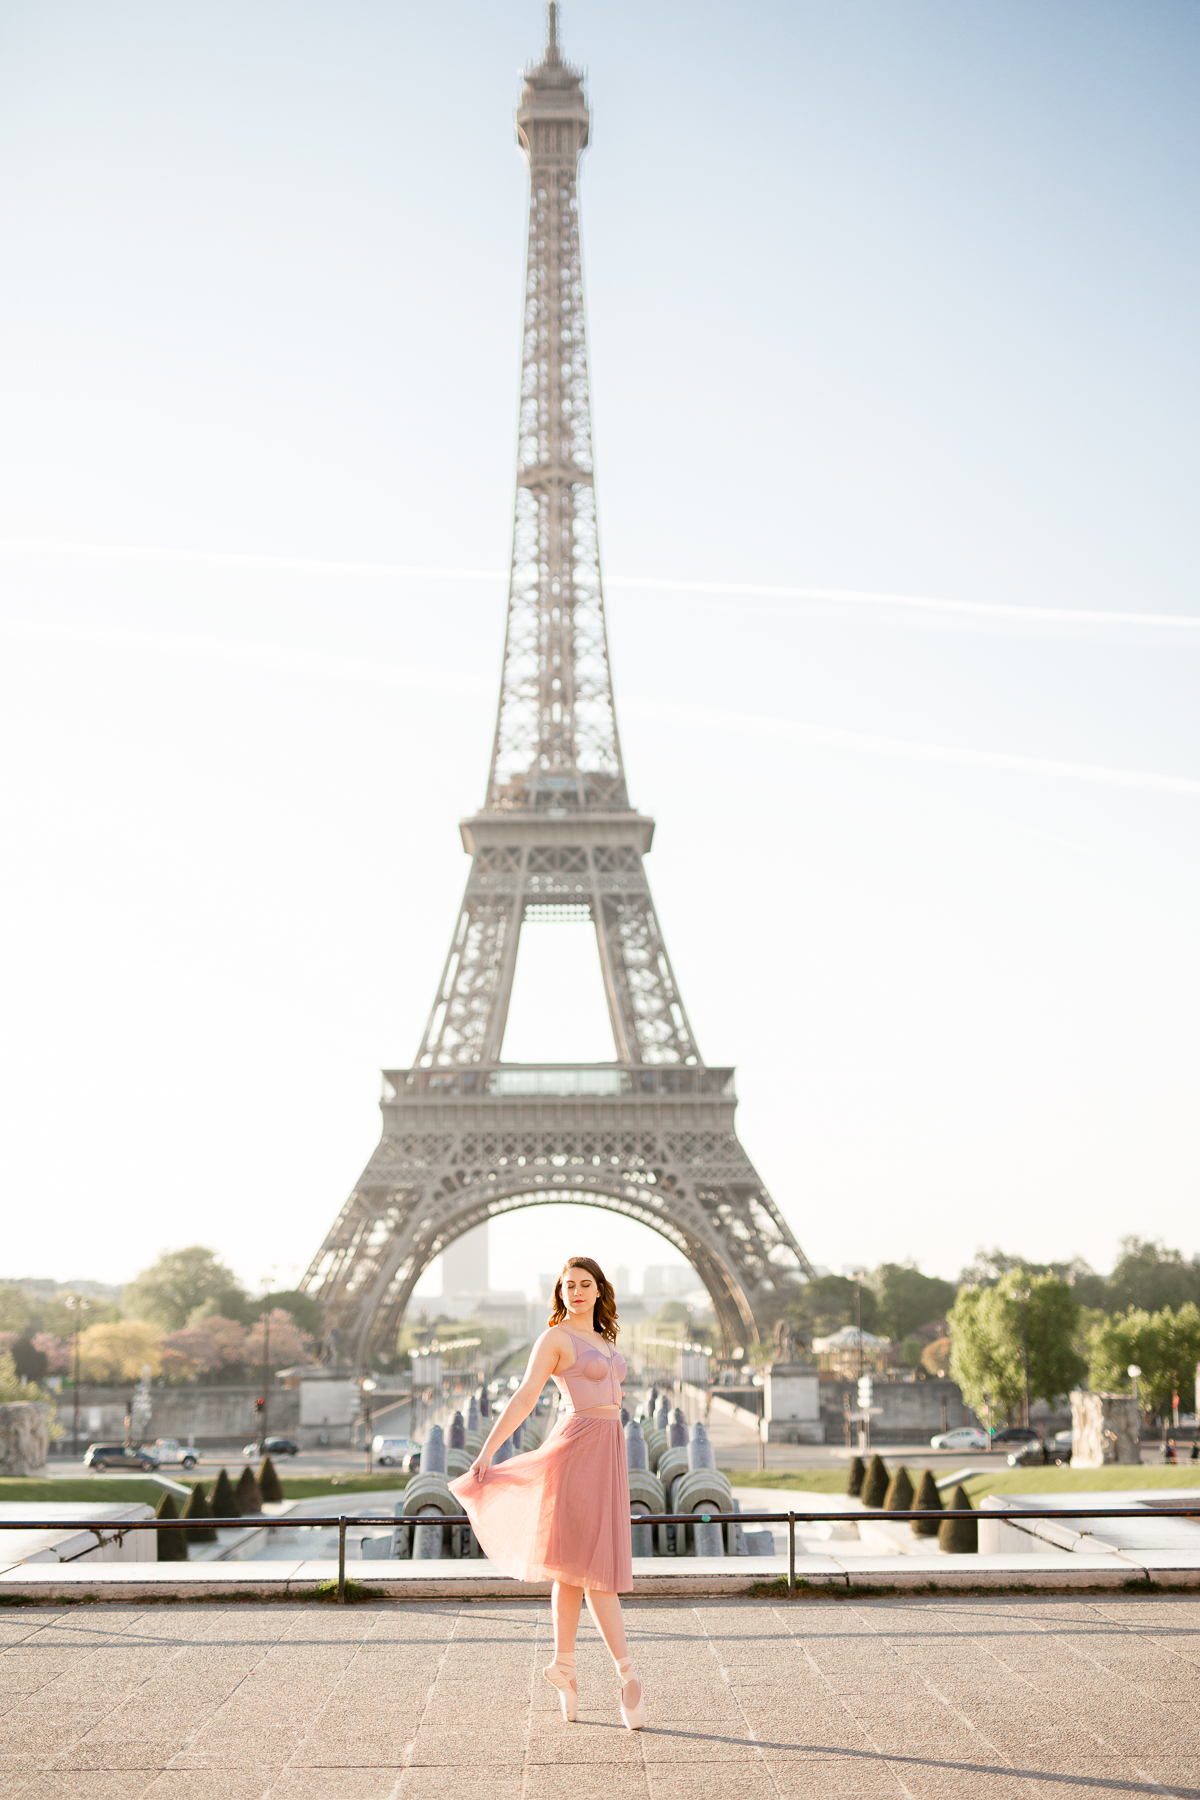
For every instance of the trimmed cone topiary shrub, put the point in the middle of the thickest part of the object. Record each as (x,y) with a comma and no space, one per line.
(197,1507)
(899,1497)
(928,1497)
(172,1545)
(269,1484)
(856,1477)
(223,1499)
(248,1494)
(875,1483)
(959,1537)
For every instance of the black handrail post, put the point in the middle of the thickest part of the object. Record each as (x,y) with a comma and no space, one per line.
(341,1587)
(792,1554)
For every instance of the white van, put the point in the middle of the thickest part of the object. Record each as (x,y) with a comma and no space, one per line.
(387,1451)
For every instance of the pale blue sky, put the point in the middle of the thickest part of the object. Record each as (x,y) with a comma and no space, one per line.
(894,297)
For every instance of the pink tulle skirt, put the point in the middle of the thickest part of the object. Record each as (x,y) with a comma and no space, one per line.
(560,1512)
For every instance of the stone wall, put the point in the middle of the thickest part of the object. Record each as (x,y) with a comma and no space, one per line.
(1106,1428)
(911,1411)
(217,1418)
(24,1437)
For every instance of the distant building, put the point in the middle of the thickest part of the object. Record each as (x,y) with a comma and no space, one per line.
(669,1280)
(467,1293)
(42,1288)
(465,1263)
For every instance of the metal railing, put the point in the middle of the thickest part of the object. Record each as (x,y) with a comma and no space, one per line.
(261,1522)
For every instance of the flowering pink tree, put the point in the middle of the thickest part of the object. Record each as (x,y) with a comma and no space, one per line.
(288,1343)
(57,1352)
(192,1351)
(227,1337)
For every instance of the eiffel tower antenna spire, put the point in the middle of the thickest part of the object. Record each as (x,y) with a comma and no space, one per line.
(465,1135)
(556,740)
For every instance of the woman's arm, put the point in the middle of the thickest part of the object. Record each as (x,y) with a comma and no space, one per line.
(542,1363)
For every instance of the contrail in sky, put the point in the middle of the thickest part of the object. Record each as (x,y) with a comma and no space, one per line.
(978,609)
(310,662)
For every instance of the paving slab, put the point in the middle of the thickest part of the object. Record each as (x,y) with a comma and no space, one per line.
(970,1698)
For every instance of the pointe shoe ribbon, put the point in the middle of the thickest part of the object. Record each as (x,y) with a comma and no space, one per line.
(561,1675)
(633,1714)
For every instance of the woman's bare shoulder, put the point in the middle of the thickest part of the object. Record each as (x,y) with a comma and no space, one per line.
(556,1338)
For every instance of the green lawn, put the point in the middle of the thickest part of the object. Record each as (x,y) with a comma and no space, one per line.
(305,1487)
(134,1487)
(1003,1481)
(84,1488)
(1083,1481)
(815,1481)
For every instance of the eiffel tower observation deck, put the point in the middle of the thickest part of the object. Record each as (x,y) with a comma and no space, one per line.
(467,1136)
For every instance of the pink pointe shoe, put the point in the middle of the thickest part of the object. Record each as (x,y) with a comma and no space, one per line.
(633,1712)
(561,1675)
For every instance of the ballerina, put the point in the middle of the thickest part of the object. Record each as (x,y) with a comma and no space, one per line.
(561,1513)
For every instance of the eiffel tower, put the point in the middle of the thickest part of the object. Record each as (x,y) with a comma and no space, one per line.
(467,1136)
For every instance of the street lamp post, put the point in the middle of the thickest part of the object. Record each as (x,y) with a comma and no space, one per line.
(264,1428)
(368,1388)
(1023,1295)
(858,1318)
(78,1305)
(1134,1371)
(266,1376)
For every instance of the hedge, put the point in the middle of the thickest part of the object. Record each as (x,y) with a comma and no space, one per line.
(930,1500)
(959,1537)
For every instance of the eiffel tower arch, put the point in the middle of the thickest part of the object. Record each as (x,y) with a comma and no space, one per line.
(466,1136)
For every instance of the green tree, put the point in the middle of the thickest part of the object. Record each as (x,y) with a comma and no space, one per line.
(302,1307)
(13,1386)
(855,1477)
(987,1341)
(1165,1345)
(908,1299)
(16,1312)
(1150,1277)
(823,1306)
(990,1266)
(31,1363)
(170,1290)
(984,1374)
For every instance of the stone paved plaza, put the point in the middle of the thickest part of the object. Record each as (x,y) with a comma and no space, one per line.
(748,1699)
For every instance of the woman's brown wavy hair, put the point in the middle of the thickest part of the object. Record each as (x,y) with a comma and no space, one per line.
(604,1312)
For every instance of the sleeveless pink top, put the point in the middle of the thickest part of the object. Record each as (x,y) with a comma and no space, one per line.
(593,1379)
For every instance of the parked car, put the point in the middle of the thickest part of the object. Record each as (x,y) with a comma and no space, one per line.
(964,1437)
(387,1451)
(170,1450)
(274,1446)
(1033,1456)
(1015,1434)
(99,1457)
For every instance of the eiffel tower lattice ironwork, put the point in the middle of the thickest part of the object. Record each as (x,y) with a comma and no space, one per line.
(465,1135)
